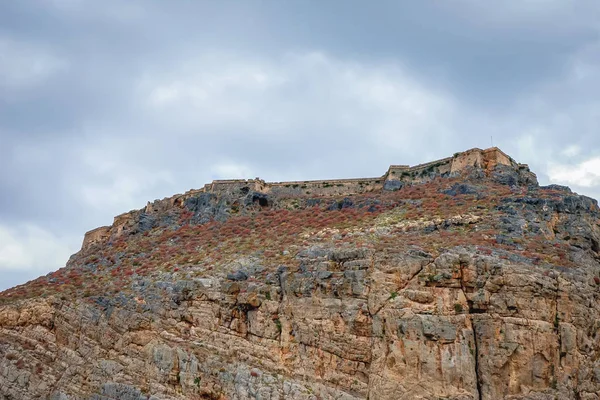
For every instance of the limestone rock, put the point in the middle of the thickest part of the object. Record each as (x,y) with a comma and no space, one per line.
(460,279)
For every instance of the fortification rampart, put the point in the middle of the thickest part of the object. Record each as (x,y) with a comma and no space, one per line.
(494,156)
(329,187)
(395,177)
(257,185)
(97,235)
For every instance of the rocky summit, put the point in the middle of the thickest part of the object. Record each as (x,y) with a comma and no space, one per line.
(460,278)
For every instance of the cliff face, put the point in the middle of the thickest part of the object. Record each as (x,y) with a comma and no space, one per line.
(458,279)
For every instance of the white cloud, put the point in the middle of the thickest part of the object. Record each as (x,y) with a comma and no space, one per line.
(550,17)
(557,121)
(29,247)
(585,174)
(114,182)
(381,109)
(114,11)
(231,171)
(123,192)
(301,97)
(571,151)
(24,64)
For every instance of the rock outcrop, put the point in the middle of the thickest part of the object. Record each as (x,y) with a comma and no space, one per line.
(457,279)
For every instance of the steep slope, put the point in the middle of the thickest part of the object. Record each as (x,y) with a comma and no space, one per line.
(456,279)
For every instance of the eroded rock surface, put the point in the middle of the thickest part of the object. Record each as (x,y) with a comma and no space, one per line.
(469,286)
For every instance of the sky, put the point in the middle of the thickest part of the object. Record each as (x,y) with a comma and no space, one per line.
(105,106)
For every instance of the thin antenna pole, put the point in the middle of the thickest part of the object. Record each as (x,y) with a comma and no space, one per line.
(492,140)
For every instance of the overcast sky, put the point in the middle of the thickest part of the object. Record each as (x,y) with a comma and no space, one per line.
(105,105)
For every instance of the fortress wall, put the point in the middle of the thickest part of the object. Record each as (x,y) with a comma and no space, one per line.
(419,173)
(121,223)
(162,205)
(476,157)
(430,163)
(400,166)
(124,222)
(326,187)
(94,236)
(257,185)
(494,156)
(395,171)
(440,166)
(469,158)
(179,200)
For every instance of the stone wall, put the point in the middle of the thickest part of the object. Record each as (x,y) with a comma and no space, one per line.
(227,185)
(334,187)
(121,224)
(469,158)
(124,222)
(97,235)
(494,156)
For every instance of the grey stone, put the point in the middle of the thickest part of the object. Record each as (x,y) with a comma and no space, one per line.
(324,274)
(461,188)
(392,185)
(237,276)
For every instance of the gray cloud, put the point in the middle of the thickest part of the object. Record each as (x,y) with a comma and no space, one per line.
(104,106)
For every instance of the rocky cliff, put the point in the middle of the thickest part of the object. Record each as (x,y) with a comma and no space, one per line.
(457,279)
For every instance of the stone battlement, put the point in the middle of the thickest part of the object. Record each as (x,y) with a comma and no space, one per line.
(97,235)
(395,177)
(471,158)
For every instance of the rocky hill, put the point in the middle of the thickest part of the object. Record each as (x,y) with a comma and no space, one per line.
(456,279)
